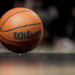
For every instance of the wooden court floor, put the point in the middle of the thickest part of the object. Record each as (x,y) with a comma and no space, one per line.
(37,64)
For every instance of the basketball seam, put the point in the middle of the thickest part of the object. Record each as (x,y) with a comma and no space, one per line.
(12,15)
(21,27)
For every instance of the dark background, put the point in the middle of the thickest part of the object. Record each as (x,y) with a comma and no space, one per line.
(58,17)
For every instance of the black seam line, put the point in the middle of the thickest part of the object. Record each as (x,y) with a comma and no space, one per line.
(12,15)
(21,27)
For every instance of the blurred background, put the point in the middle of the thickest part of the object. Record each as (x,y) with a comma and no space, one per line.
(58,17)
(56,53)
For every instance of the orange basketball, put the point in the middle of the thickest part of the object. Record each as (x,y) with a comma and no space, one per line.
(20,30)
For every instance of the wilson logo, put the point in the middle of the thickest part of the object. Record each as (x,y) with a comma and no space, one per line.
(25,35)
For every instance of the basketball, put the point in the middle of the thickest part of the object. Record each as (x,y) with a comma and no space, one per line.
(21,30)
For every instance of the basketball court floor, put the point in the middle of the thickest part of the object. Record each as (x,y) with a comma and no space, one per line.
(37,64)
(39,61)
